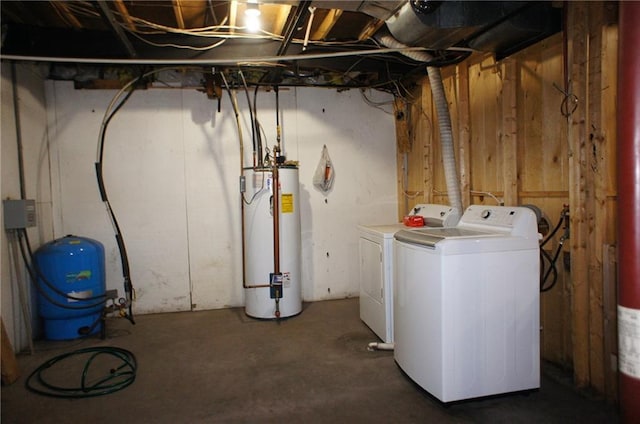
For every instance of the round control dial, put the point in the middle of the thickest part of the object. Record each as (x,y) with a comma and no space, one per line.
(485,214)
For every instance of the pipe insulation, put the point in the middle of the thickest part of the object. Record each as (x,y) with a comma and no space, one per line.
(444,118)
(628,180)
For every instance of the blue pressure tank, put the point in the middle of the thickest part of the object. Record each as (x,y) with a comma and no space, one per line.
(71,276)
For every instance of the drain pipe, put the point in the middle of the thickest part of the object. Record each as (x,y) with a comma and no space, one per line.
(380,346)
(628,170)
(444,119)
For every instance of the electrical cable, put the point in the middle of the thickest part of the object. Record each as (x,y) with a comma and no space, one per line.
(116,378)
(109,114)
(253,122)
(255,116)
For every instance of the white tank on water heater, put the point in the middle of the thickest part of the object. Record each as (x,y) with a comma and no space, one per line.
(258,241)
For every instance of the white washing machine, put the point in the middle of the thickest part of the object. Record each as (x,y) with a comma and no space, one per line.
(376,266)
(466,304)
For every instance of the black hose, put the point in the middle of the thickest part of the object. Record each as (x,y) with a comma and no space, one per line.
(552,268)
(555,230)
(124,259)
(251,117)
(255,116)
(115,379)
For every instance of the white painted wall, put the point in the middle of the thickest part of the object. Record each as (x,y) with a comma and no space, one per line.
(171,170)
(33,125)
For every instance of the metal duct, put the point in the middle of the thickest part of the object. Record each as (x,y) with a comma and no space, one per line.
(496,26)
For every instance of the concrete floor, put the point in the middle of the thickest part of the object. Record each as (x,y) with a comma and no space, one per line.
(223,367)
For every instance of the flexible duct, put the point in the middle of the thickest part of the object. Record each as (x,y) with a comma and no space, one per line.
(444,118)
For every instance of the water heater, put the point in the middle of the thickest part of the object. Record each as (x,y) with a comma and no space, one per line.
(258,221)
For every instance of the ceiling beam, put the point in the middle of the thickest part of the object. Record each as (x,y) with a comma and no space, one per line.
(370,29)
(177,10)
(124,14)
(233,15)
(327,24)
(62,9)
(301,13)
(281,19)
(115,26)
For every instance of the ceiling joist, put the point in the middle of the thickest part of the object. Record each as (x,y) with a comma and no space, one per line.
(327,24)
(115,26)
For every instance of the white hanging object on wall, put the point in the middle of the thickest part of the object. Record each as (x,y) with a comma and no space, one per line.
(324,175)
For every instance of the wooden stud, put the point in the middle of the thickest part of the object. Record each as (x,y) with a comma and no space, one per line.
(464,133)
(579,185)
(597,202)
(509,133)
(10,370)
(426,114)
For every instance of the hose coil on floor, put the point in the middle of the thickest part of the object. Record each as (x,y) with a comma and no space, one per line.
(121,373)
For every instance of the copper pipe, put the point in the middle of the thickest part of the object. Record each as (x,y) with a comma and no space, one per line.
(276,220)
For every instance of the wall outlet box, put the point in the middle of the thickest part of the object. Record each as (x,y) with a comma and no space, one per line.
(19,214)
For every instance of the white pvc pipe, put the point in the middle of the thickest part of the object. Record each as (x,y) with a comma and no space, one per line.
(444,119)
(229,62)
(380,346)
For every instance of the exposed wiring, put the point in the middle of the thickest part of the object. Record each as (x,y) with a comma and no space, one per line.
(254,138)
(487,193)
(569,103)
(114,106)
(115,377)
(250,201)
(257,123)
(177,46)
(477,193)
(377,105)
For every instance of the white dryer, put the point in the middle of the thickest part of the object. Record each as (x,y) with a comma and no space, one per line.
(466,304)
(376,266)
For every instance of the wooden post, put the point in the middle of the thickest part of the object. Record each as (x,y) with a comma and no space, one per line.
(427,131)
(464,133)
(510,133)
(579,186)
(10,370)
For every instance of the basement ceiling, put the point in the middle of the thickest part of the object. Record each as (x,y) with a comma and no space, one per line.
(326,43)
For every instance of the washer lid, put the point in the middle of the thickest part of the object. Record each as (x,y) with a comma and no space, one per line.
(429,237)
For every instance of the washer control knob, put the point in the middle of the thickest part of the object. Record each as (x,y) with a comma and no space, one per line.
(485,214)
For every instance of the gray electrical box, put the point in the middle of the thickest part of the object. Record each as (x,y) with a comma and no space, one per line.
(19,214)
